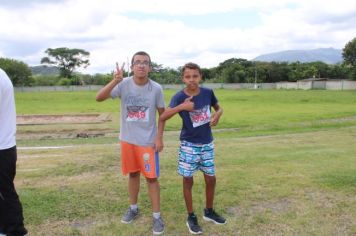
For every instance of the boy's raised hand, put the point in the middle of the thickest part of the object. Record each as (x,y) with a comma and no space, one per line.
(188,105)
(119,73)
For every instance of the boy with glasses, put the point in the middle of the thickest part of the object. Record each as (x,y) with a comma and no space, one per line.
(196,152)
(140,139)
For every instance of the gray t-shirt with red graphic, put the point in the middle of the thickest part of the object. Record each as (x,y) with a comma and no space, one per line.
(138,110)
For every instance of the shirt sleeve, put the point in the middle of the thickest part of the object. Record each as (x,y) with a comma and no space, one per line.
(174,101)
(214,100)
(160,98)
(116,91)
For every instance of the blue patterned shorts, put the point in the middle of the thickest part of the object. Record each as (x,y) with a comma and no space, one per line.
(193,157)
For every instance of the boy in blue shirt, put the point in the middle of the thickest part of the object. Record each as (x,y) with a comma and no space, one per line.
(196,151)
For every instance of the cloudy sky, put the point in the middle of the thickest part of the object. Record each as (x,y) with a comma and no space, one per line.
(173,32)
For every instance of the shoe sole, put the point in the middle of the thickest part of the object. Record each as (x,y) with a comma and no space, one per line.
(192,232)
(126,222)
(129,222)
(211,220)
(158,233)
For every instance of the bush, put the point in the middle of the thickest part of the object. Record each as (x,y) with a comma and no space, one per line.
(46,80)
(19,72)
(101,79)
(64,82)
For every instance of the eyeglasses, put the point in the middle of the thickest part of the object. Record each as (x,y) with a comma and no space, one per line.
(141,63)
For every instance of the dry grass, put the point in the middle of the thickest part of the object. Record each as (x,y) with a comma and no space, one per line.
(267,185)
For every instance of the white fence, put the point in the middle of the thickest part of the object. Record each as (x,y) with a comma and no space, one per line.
(329,85)
(58,88)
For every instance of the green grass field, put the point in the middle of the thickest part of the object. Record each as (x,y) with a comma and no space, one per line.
(285,160)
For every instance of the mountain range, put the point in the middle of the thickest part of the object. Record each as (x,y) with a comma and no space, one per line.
(44,70)
(327,55)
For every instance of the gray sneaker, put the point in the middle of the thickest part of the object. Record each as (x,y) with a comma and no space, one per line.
(158,226)
(129,216)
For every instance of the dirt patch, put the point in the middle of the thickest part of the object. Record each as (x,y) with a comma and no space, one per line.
(80,224)
(62,119)
(280,206)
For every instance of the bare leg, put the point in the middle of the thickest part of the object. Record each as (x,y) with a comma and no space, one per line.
(187,192)
(210,182)
(134,187)
(154,193)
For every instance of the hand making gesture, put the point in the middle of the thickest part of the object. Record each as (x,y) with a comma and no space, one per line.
(188,105)
(119,73)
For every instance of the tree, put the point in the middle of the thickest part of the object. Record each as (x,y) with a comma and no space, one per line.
(309,71)
(19,72)
(349,52)
(278,71)
(66,59)
(295,72)
(234,74)
(207,75)
(164,75)
(338,71)
(349,55)
(321,69)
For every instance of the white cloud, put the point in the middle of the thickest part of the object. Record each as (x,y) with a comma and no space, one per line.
(110,32)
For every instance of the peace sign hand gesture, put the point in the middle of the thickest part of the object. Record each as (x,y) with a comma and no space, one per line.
(119,73)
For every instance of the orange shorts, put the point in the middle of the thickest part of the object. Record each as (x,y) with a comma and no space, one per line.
(139,158)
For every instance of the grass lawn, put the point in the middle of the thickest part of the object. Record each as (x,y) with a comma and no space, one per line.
(285,160)
(251,112)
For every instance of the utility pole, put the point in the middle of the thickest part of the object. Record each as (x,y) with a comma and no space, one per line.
(128,67)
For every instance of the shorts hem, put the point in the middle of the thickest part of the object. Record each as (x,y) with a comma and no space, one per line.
(129,172)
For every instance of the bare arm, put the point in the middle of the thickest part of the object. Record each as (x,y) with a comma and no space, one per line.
(216,116)
(159,137)
(187,105)
(104,93)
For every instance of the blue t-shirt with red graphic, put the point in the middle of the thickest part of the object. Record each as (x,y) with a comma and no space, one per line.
(196,128)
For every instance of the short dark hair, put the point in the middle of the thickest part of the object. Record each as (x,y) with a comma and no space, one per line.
(142,53)
(192,66)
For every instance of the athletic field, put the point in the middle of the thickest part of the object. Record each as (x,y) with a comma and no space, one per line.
(285,161)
